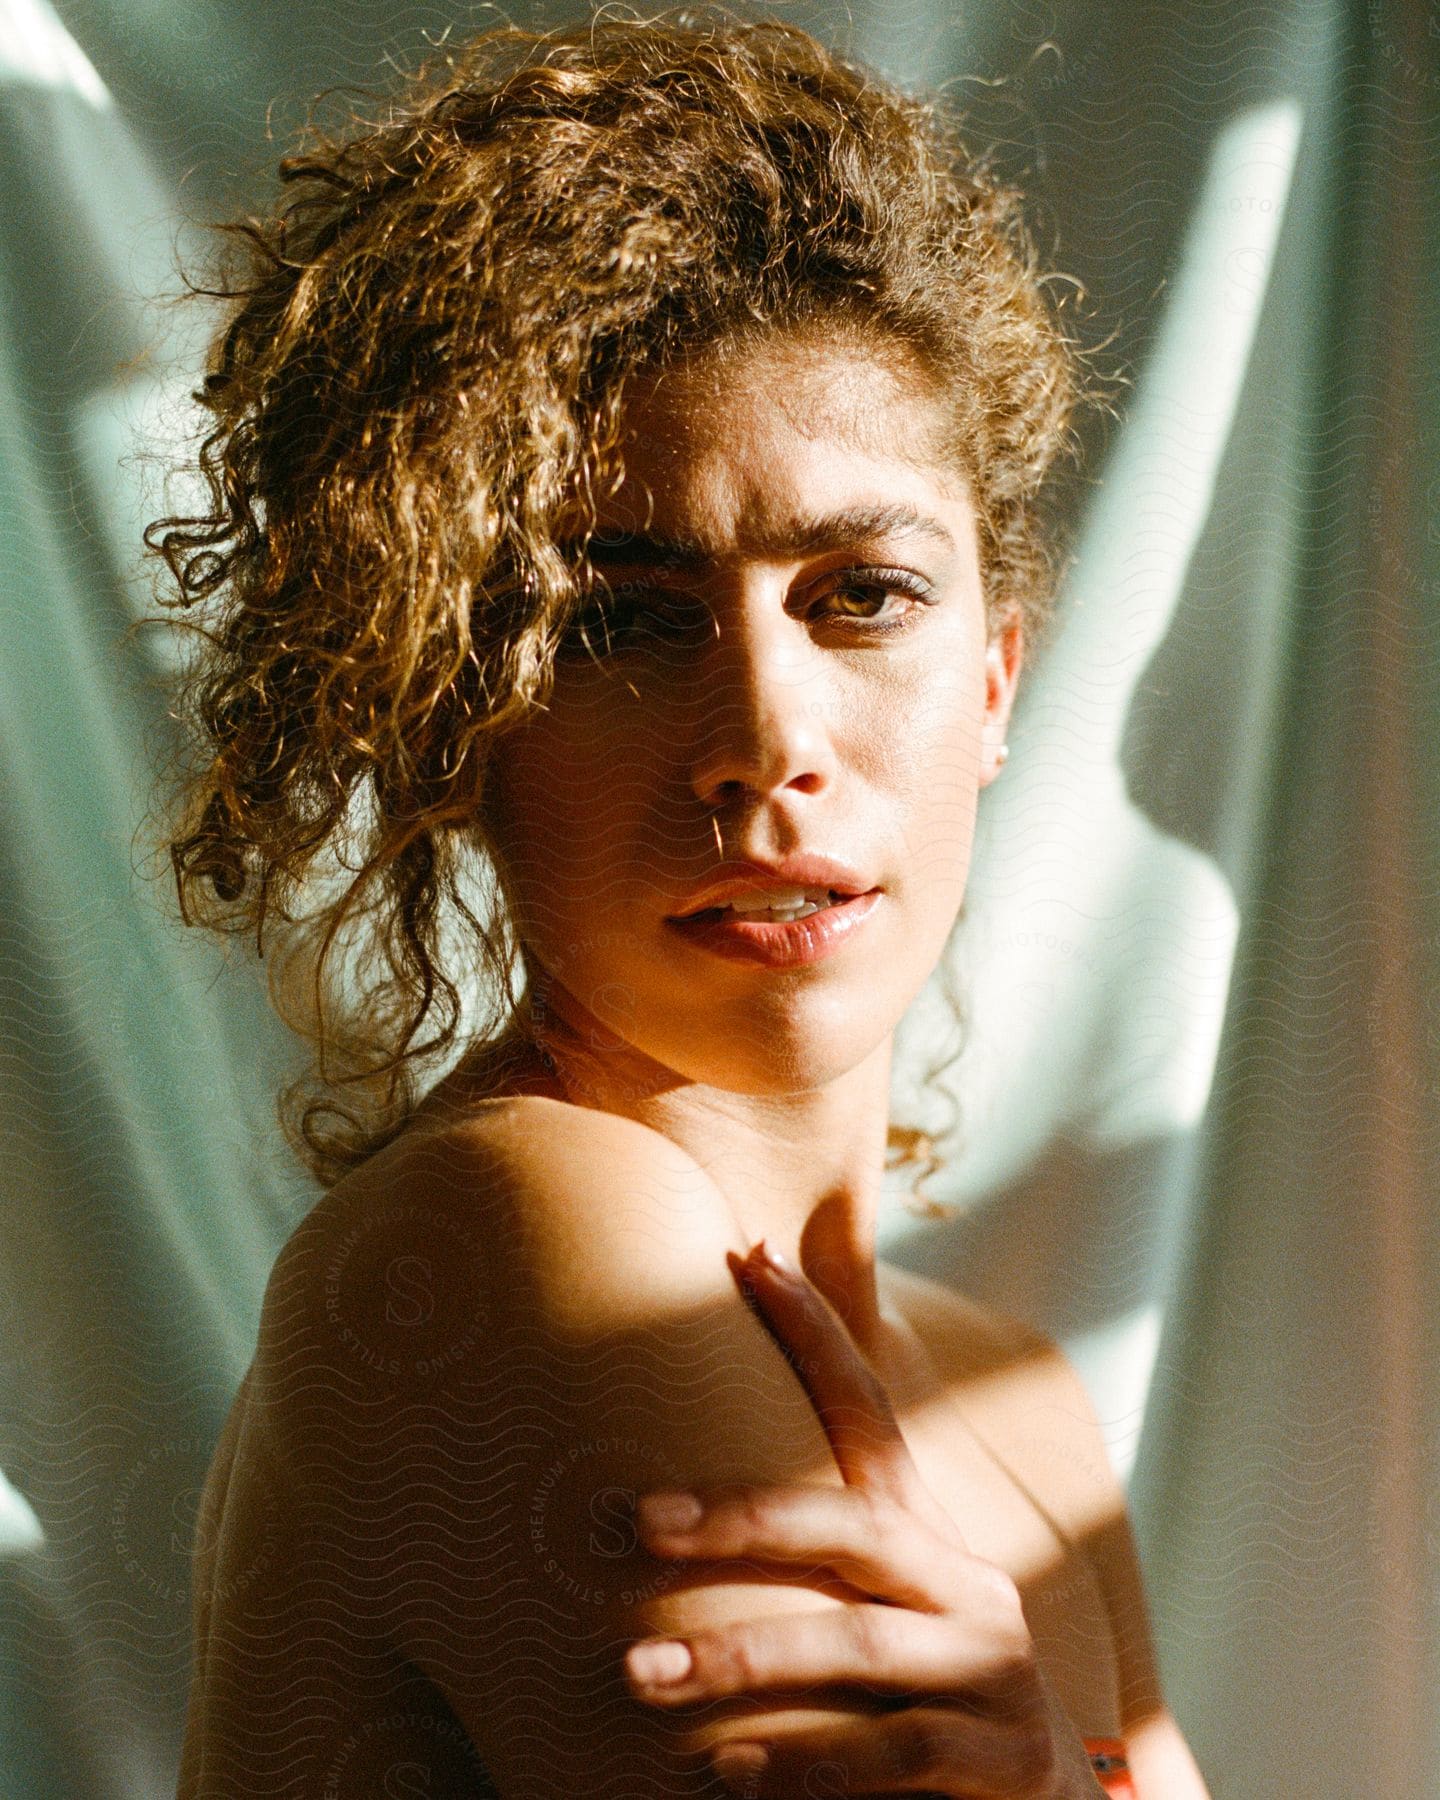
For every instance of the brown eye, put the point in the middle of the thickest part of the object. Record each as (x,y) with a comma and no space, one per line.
(877,600)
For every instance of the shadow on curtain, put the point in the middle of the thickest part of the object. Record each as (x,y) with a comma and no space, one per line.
(1200,1084)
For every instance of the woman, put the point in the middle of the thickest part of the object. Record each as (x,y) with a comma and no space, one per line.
(625,478)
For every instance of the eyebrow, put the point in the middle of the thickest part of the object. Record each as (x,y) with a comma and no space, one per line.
(804,537)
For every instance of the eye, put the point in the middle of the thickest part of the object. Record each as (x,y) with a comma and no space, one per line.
(587,632)
(636,618)
(860,597)
(631,616)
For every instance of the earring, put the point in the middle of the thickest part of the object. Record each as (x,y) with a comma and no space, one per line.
(1000,756)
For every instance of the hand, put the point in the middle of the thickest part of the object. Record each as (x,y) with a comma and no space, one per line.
(941,1638)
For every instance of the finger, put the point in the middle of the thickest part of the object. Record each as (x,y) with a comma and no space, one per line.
(868,1649)
(848,1396)
(939,1750)
(888,1554)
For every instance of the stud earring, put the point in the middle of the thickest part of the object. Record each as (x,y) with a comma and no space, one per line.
(1000,756)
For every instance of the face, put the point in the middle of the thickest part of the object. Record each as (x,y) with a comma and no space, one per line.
(798,664)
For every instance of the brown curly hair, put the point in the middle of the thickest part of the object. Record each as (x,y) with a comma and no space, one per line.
(414,400)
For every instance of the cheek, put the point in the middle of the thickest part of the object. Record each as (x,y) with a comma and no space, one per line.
(569,792)
(587,798)
(925,769)
(570,815)
(918,735)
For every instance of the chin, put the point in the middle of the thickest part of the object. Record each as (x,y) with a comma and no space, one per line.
(788,1054)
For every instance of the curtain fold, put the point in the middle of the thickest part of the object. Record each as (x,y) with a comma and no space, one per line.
(1200,1086)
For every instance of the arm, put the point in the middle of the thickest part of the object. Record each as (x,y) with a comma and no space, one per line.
(895,1551)
(483,1514)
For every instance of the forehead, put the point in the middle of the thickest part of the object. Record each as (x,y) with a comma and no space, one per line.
(740,451)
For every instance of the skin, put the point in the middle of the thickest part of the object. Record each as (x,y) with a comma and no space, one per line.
(582,1336)
(925,1640)
(790,728)
(875,749)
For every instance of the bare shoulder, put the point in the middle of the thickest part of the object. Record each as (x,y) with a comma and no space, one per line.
(528,1205)
(511,1328)
(975,1338)
(1024,1399)
(524,1146)
(593,1209)
(1015,1385)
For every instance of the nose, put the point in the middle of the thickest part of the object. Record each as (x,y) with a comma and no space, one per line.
(763,705)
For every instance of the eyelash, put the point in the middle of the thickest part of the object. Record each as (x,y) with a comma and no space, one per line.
(881,582)
(886,583)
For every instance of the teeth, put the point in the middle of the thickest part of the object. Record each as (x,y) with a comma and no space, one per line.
(778,899)
(781,904)
(782,908)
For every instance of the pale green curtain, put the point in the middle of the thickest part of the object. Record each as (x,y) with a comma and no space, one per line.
(1201,1081)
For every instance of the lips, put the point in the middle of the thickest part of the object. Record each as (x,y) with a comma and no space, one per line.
(813,897)
(772,944)
(793,873)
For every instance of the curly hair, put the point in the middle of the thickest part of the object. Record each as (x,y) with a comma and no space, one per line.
(414,399)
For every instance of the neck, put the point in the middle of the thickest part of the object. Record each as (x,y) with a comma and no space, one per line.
(802,1170)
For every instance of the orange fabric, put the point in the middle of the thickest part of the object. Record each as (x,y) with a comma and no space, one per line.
(1112,1771)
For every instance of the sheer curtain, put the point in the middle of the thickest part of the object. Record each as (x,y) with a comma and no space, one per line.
(1200,1077)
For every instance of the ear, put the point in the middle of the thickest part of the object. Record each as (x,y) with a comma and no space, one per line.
(1004,654)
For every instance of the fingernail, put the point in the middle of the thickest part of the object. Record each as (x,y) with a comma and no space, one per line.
(658,1661)
(736,1764)
(777,1259)
(668,1511)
